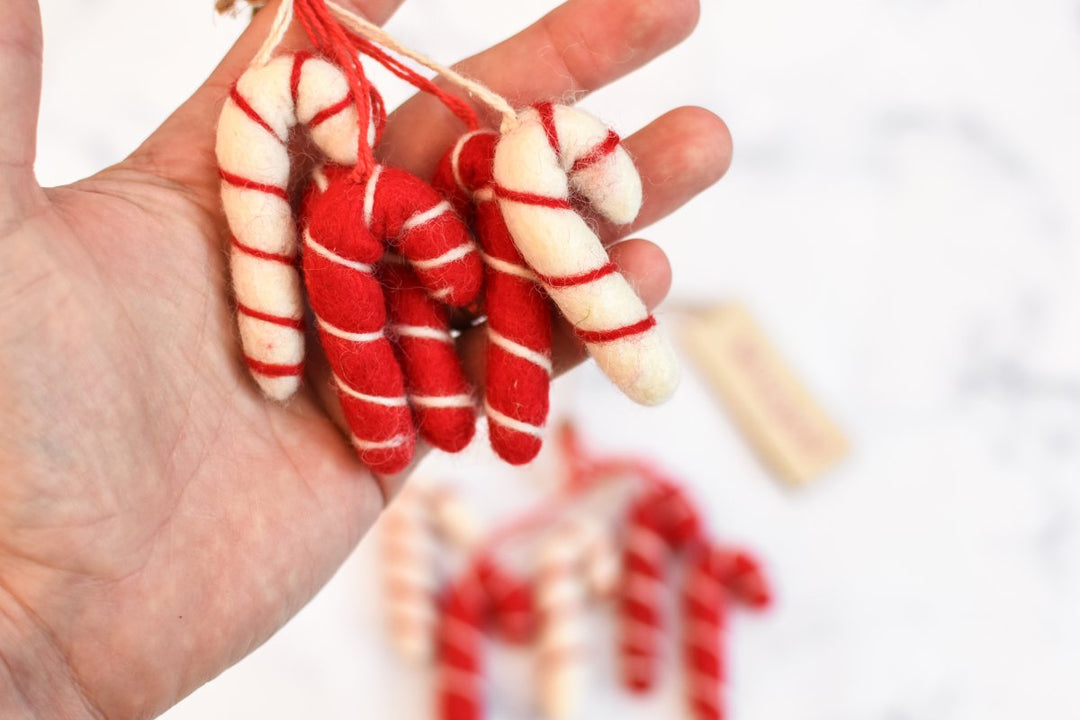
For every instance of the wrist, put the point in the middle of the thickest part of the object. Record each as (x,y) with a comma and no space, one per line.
(36,681)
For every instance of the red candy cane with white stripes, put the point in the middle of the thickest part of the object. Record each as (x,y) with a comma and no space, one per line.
(510,597)
(459,678)
(640,596)
(518,368)
(704,609)
(743,576)
(349,224)
(519,184)
(715,577)
(679,521)
(661,522)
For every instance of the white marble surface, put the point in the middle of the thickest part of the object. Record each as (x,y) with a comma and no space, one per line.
(902,215)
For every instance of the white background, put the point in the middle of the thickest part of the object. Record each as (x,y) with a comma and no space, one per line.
(902,216)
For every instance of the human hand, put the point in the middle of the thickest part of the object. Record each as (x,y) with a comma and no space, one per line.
(159,519)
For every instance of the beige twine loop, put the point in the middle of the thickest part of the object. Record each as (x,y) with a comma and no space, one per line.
(366,28)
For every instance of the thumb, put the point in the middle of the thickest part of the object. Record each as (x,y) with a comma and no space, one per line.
(20,95)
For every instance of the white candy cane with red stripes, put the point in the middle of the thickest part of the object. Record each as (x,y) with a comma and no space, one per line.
(409,571)
(263,106)
(554,151)
(561,592)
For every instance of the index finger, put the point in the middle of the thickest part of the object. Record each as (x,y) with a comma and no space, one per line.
(578,47)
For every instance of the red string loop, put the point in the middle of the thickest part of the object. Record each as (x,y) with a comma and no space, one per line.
(455,104)
(345,48)
(327,35)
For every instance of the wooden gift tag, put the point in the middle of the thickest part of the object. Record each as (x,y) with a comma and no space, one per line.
(790,431)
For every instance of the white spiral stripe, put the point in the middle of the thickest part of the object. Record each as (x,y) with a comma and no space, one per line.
(643,588)
(425,216)
(518,350)
(320,179)
(394,442)
(346,335)
(398,401)
(512,423)
(333,257)
(459,633)
(423,332)
(508,268)
(441,401)
(369,196)
(452,255)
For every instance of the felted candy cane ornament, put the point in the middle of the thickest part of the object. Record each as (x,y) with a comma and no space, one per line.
(561,592)
(704,608)
(362,312)
(511,600)
(743,576)
(508,596)
(263,107)
(350,222)
(519,186)
(460,646)
(640,595)
(409,557)
(518,368)
(553,153)
(679,522)
(715,576)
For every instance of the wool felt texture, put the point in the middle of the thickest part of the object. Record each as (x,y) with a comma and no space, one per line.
(561,592)
(386,339)
(264,106)
(459,676)
(518,368)
(409,557)
(553,155)
(522,210)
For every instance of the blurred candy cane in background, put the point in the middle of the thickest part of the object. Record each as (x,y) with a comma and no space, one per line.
(539,599)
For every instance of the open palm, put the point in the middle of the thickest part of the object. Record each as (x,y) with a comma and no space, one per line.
(158,518)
